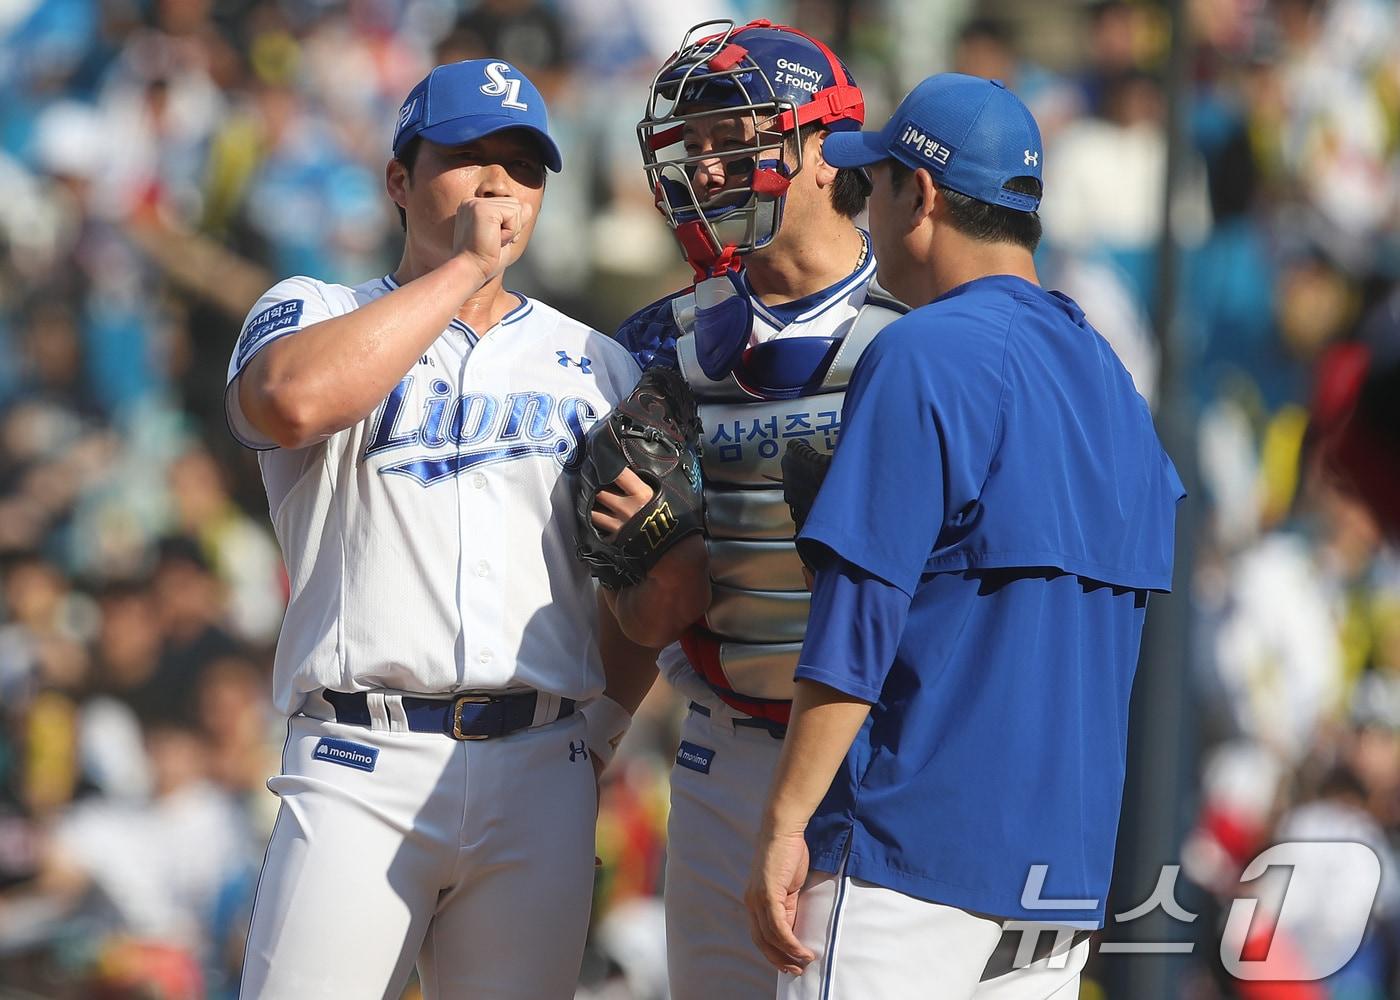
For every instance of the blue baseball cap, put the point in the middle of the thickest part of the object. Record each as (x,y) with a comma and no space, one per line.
(462,101)
(972,135)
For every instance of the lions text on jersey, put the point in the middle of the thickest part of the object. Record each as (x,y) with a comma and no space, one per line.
(430,546)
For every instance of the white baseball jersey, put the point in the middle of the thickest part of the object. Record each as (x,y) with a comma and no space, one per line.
(430,546)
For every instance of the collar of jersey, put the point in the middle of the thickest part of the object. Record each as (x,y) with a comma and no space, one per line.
(818,302)
(515,315)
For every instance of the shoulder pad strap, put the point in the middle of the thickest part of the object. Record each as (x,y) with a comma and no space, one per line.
(701,385)
(683,312)
(876,295)
(874,316)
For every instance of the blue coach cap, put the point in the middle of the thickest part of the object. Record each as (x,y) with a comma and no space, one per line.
(973,135)
(462,101)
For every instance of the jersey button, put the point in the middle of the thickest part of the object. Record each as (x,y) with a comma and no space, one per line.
(478,481)
(483,568)
(484,656)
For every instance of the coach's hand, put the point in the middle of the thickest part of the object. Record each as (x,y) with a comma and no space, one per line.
(487,230)
(779,870)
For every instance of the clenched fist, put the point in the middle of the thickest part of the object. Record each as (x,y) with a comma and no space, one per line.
(486,228)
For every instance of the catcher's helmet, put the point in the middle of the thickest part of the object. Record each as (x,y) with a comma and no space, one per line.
(773,76)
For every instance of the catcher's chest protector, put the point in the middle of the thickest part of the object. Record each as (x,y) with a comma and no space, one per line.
(748,645)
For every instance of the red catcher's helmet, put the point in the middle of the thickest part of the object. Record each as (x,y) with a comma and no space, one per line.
(771,75)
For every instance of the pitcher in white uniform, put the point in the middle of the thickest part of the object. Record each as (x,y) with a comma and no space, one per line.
(416,435)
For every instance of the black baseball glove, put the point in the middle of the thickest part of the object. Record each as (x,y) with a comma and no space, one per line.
(804,468)
(655,432)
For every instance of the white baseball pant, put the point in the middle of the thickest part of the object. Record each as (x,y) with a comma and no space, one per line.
(718,788)
(472,859)
(870,941)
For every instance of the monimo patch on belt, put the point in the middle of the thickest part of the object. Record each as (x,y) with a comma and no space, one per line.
(349,754)
(695,757)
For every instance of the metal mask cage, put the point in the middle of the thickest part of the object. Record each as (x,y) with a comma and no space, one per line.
(744,217)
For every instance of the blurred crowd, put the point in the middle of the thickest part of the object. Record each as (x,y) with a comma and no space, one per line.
(168,160)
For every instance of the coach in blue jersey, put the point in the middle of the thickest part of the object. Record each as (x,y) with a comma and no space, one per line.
(998,510)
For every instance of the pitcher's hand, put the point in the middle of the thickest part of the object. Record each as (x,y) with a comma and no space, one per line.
(485,227)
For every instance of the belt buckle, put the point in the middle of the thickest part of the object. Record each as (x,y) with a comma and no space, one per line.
(457,703)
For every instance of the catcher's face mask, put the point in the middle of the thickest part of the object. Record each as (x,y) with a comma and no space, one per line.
(713,136)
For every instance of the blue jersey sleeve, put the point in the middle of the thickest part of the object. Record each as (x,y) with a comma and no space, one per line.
(917,434)
(650,334)
(853,631)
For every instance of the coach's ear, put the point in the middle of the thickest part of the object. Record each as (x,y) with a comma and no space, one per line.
(925,197)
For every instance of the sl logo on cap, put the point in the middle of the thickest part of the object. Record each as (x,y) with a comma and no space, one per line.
(500,85)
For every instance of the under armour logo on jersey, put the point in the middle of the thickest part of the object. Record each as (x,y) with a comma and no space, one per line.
(577,750)
(583,364)
(451,434)
(1032,158)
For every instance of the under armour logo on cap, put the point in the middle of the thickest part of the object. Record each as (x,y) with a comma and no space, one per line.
(1032,159)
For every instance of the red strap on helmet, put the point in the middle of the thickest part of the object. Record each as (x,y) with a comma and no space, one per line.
(835,103)
(840,100)
(831,60)
(727,260)
(727,58)
(664,138)
(761,22)
(826,106)
(704,258)
(769,182)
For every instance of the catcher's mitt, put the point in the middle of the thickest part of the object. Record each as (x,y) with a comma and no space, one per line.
(804,468)
(656,433)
